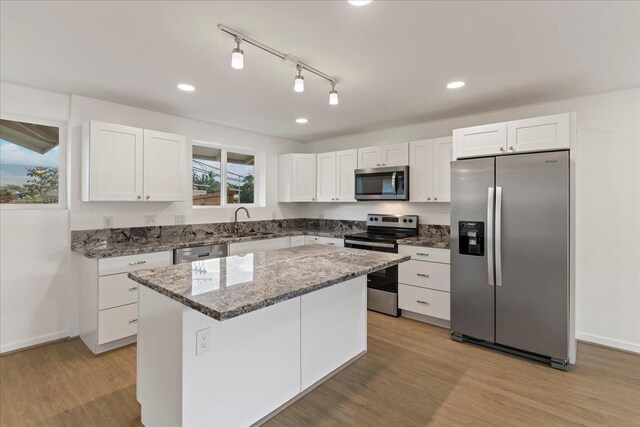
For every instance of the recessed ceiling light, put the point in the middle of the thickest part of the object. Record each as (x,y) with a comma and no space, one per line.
(359,2)
(186,87)
(455,85)
(302,120)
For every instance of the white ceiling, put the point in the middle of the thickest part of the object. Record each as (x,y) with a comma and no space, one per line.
(393,58)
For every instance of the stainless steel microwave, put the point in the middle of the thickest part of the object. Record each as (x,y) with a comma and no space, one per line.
(382,183)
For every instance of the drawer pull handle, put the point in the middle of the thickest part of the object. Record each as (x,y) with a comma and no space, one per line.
(422,275)
(133,288)
(137,262)
(133,321)
(422,253)
(332,244)
(422,302)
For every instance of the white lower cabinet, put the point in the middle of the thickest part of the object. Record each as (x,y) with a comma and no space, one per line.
(259,245)
(324,241)
(424,282)
(109,299)
(424,301)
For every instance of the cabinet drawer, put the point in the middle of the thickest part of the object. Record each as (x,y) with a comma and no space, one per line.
(424,301)
(430,275)
(124,264)
(425,254)
(297,240)
(116,323)
(116,290)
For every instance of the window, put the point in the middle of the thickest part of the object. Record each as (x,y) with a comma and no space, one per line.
(29,163)
(222,176)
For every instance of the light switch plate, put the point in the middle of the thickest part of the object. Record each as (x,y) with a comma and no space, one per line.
(107,221)
(203,341)
(149,220)
(179,219)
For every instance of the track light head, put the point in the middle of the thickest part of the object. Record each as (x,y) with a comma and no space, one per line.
(237,56)
(333,95)
(298,84)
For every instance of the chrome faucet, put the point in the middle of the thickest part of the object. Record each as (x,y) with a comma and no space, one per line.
(235,218)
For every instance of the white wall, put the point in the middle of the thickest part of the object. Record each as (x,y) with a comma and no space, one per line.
(35,291)
(131,214)
(608,204)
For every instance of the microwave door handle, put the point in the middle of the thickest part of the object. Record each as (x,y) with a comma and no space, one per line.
(393,183)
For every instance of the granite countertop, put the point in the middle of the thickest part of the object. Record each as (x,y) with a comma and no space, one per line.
(426,241)
(224,288)
(133,247)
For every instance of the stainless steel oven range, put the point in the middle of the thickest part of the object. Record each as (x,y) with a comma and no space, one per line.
(382,235)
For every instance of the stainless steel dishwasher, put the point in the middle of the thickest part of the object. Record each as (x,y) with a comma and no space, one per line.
(199,253)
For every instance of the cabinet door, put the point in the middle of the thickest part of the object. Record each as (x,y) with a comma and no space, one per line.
(480,140)
(369,157)
(442,155)
(346,164)
(303,176)
(539,133)
(395,154)
(326,177)
(112,161)
(421,171)
(164,166)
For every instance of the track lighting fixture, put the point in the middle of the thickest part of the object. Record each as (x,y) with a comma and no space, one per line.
(333,95)
(237,56)
(238,63)
(298,86)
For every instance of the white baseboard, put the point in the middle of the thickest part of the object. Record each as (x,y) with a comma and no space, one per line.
(608,342)
(17,345)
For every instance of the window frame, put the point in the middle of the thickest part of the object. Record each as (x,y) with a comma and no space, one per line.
(62,164)
(257,182)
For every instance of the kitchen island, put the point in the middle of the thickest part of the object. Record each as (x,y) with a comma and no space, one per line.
(231,341)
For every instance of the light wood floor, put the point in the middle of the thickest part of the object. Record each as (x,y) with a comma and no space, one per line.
(413,375)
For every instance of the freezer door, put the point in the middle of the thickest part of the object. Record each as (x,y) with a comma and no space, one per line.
(532,253)
(472,290)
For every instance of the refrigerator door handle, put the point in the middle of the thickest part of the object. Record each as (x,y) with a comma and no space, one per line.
(490,236)
(498,243)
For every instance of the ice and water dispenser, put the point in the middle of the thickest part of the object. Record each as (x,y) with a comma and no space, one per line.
(471,238)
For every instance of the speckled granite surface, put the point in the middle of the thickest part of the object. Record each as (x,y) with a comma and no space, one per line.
(130,241)
(224,288)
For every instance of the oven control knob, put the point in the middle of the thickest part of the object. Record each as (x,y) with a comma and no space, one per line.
(404,220)
(410,221)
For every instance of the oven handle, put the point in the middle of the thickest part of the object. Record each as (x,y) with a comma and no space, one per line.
(377,245)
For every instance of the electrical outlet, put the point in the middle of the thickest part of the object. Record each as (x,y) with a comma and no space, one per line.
(273,215)
(179,219)
(149,220)
(203,341)
(107,221)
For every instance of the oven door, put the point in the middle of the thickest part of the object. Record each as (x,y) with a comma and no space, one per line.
(383,280)
(382,183)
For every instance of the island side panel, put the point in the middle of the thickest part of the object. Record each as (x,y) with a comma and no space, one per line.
(159,359)
(333,328)
(252,368)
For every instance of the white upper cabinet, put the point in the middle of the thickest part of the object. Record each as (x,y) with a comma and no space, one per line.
(429,169)
(383,155)
(335,176)
(164,166)
(326,177)
(112,160)
(519,136)
(123,163)
(346,165)
(369,157)
(480,140)
(296,177)
(539,133)
(395,154)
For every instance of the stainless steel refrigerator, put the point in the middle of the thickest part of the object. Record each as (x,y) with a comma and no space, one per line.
(510,254)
